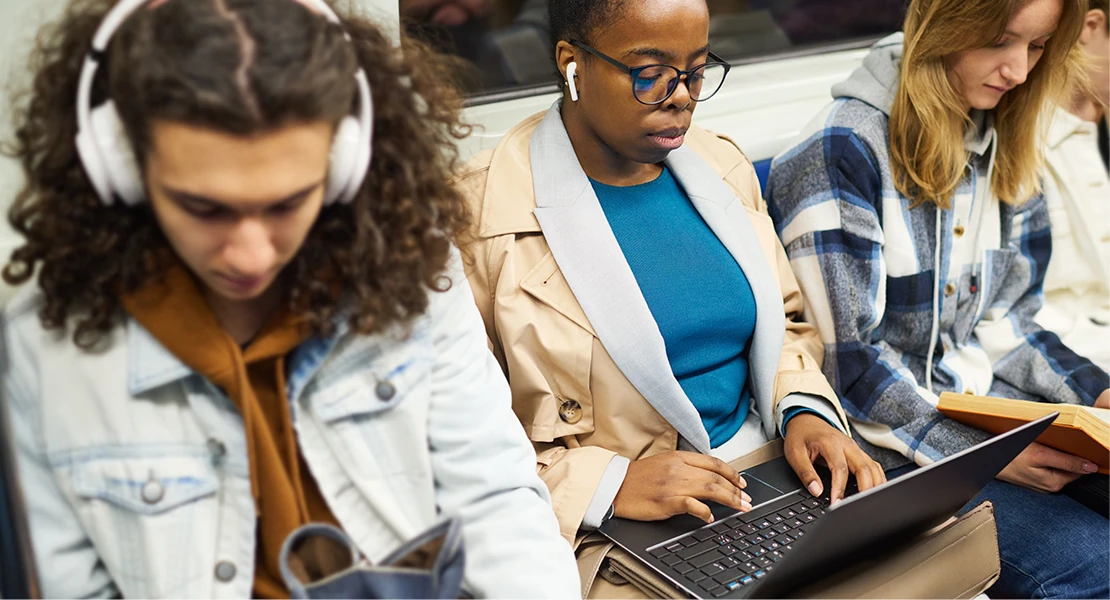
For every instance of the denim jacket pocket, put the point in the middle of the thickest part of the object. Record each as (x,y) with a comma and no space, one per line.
(145,485)
(390,378)
(372,407)
(154,518)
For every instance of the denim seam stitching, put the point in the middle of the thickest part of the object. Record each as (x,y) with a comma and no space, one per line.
(1040,585)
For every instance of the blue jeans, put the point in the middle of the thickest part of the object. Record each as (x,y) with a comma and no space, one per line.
(1050,545)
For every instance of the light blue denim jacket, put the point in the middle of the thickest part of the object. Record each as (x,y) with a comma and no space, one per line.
(135,474)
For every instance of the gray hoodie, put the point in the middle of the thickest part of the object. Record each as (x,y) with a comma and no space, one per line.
(877,79)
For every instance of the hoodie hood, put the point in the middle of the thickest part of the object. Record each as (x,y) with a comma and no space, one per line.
(877,79)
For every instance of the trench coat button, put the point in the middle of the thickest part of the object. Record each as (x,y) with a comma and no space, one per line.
(958,230)
(949,289)
(385,391)
(152,491)
(225,571)
(570,412)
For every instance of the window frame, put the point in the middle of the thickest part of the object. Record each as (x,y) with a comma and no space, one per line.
(540,89)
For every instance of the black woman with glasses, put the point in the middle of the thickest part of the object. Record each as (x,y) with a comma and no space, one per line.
(633,287)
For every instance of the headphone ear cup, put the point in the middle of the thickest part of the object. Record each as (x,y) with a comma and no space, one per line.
(113,160)
(89,154)
(345,153)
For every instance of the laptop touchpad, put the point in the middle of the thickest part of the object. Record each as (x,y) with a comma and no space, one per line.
(759,491)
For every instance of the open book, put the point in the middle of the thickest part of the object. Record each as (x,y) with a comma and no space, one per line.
(1079,430)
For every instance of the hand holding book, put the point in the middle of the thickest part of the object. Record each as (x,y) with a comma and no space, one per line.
(1077,443)
(1082,431)
(1044,469)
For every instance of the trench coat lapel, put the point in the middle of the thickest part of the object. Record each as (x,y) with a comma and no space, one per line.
(594,267)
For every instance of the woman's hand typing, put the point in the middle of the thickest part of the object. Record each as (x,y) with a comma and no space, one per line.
(675,483)
(809,438)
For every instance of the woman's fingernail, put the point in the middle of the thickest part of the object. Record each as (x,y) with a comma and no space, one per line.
(741,482)
(745,505)
(1089,467)
(814,488)
(745,497)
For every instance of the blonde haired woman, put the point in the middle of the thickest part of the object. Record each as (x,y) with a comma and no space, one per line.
(911,213)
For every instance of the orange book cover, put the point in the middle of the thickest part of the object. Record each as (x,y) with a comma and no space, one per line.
(1070,432)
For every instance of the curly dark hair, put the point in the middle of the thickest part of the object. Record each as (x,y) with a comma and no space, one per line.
(241,67)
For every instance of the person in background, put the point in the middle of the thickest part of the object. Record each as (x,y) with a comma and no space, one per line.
(244,310)
(444,12)
(816,21)
(911,212)
(1077,189)
(632,285)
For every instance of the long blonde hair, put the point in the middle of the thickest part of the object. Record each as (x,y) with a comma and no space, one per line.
(928,120)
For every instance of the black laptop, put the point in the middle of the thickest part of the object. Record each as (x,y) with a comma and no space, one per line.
(790,539)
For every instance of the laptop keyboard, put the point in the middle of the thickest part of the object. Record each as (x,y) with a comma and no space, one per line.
(740,549)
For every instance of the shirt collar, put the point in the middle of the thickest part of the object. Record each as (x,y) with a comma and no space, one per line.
(1064,125)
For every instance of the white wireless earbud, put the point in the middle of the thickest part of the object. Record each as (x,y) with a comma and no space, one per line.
(571,68)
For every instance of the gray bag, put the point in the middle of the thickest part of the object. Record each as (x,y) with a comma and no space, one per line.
(321,561)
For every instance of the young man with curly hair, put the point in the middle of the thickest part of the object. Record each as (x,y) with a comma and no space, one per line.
(247,311)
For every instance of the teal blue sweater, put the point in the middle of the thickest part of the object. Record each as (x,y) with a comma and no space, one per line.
(698,295)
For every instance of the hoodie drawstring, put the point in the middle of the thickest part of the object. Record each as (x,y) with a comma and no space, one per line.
(936,306)
(978,233)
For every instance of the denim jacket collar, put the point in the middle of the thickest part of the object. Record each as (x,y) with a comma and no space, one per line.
(151,365)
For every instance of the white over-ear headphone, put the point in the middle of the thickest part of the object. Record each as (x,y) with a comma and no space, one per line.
(110,161)
(571,68)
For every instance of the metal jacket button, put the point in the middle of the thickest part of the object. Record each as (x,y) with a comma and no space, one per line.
(570,412)
(225,571)
(949,289)
(152,491)
(216,448)
(958,230)
(385,391)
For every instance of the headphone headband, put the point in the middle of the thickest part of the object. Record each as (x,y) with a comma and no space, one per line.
(109,160)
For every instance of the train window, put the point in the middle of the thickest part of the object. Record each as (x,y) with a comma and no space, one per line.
(503,44)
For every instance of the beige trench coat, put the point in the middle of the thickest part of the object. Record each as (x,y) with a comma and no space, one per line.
(577,406)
